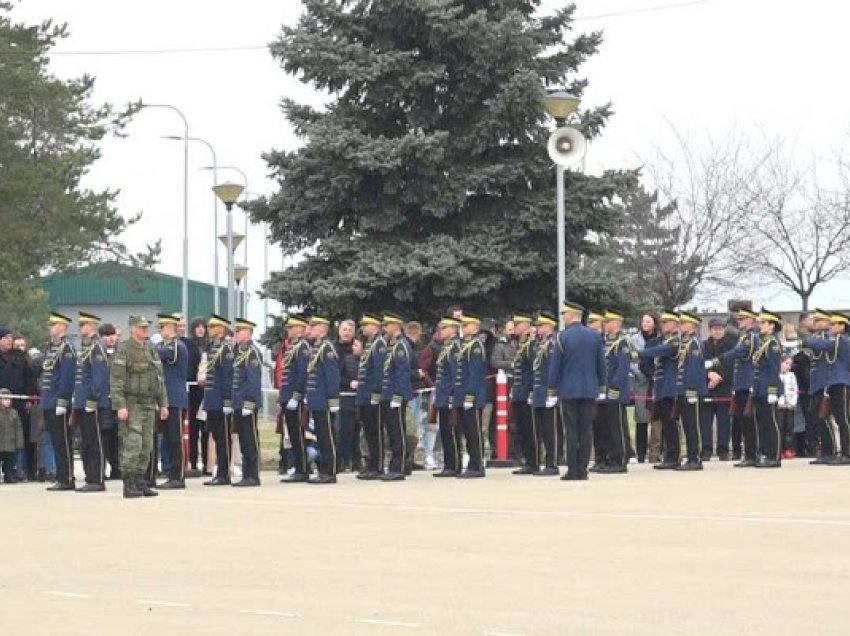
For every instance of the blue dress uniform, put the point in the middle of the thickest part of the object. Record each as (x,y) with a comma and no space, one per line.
(546,417)
(247,396)
(767,387)
(56,386)
(819,398)
(743,424)
(692,389)
(322,400)
(217,403)
(836,355)
(470,395)
(291,398)
(619,355)
(175,367)
(665,390)
(576,378)
(447,362)
(521,390)
(370,379)
(91,404)
(396,392)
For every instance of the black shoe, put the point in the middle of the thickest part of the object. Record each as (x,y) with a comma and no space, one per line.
(218,481)
(745,463)
(247,482)
(471,474)
(59,486)
(50,477)
(92,488)
(724,457)
(445,473)
(823,459)
(705,456)
(666,466)
(206,473)
(568,476)
(641,460)
(193,473)
(597,467)
(547,472)
(42,476)
(690,465)
(525,470)
(368,475)
(612,469)
(392,477)
(145,486)
(172,484)
(736,455)
(295,478)
(839,460)
(131,491)
(768,463)
(322,479)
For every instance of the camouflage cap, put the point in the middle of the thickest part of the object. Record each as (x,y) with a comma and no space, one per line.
(138,320)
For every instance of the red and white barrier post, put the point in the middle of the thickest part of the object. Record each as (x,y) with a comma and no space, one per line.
(501,419)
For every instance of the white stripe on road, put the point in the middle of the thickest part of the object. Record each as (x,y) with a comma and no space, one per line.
(162,603)
(270,613)
(385,623)
(68,594)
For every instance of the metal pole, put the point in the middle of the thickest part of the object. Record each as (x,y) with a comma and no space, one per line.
(231,300)
(562,239)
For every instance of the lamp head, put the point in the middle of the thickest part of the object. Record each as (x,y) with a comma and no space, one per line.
(560,104)
(228,192)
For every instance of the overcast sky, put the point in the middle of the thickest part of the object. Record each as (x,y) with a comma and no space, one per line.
(704,67)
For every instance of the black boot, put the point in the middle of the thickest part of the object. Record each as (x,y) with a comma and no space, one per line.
(144,485)
(131,491)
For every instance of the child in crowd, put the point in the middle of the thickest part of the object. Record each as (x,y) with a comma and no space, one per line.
(787,406)
(11,436)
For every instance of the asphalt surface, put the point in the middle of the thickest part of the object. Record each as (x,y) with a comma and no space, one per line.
(724,551)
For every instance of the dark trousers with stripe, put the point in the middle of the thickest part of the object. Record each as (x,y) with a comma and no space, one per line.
(448,436)
(249,443)
(394,424)
(822,432)
(371,418)
(710,412)
(691,427)
(746,424)
(527,433)
(578,423)
(60,436)
(768,428)
(470,421)
(218,426)
(839,394)
(325,437)
(91,446)
(611,435)
(292,421)
(547,424)
(669,430)
(173,431)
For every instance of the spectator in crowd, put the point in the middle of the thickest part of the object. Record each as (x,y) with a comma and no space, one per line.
(719,392)
(801,366)
(109,424)
(501,357)
(20,343)
(17,376)
(422,435)
(196,344)
(790,340)
(11,436)
(348,455)
(787,407)
(46,457)
(647,428)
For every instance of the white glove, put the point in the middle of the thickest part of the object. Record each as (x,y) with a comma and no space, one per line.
(551,401)
(247,412)
(292,405)
(333,409)
(600,397)
(89,409)
(467,406)
(531,400)
(708,364)
(772,399)
(692,399)
(781,402)
(61,410)
(395,405)
(227,410)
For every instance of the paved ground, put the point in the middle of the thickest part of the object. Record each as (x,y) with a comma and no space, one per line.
(720,552)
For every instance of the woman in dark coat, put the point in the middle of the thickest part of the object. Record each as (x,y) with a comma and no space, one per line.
(196,343)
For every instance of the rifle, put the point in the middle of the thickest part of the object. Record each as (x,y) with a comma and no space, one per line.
(432,413)
(304,416)
(278,427)
(677,410)
(453,421)
(749,408)
(824,408)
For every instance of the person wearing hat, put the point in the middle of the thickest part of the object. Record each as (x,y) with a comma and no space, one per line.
(577,380)
(837,357)
(716,408)
(174,356)
(396,392)
(819,403)
(446,370)
(665,390)
(619,356)
(323,397)
(743,424)
(767,387)
(58,371)
(247,396)
(91,401)
(370,380)
(217,391)
(293,388)
(596,321)
(138,396)
(108,426)
(545,416)
(470,394)
(521,396)
(692,387)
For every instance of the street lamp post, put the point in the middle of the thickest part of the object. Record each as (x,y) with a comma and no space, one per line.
(240,273)
(229,193)
(184,295)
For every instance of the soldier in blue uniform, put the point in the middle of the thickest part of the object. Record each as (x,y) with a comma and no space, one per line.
(619,356)
(521,392)
(546,417)
(767,387)
(576,379)
(396,392)
(91,400)
(665,390)
(836,354)
(293,388)
(818,383)
(443,389)
(56,388)
(217,402)
(175,364)
(323,397)
(692,387)
(470,394)
(370,381)
(247,396)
